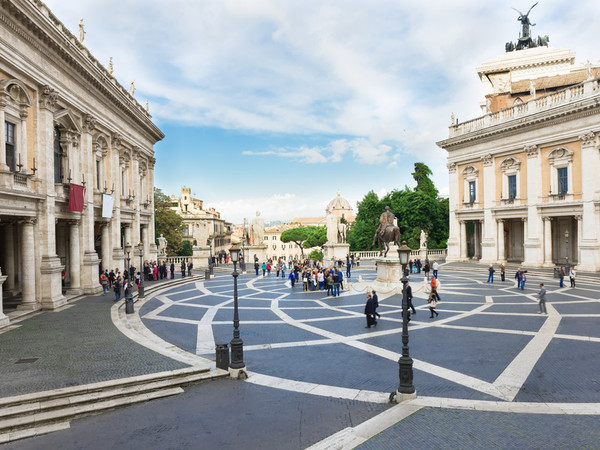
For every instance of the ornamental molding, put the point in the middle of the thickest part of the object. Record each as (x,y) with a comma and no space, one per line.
(451,167)
(487,160)
(560,154)
(510,163)
(116,140)
(470,172)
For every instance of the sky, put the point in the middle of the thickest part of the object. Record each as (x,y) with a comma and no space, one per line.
(275,105)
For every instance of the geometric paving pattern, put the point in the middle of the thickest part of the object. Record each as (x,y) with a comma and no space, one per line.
(488,343)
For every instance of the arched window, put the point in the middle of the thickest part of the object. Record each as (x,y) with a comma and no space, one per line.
(58,157)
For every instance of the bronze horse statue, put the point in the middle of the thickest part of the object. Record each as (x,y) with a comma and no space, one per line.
(390,234)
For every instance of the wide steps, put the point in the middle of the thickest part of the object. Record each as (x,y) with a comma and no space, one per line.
(33,414)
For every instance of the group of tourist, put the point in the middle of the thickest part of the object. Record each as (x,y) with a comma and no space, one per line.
(130,278)
(521,277)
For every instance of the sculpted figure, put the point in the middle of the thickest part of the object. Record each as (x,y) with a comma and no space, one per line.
(81,31)
(258,229)
(423,239)
(525,22)
(162,245)
(386,232)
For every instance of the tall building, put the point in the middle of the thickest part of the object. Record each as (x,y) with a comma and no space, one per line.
(77,167)
(523,176)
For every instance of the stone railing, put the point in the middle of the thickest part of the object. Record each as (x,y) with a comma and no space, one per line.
(436,253)
(578,92)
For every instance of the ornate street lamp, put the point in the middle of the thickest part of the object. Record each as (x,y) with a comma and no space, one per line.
(237,366)
(210,261)
(128,251)
(140,247)
(567,247)
(405,362)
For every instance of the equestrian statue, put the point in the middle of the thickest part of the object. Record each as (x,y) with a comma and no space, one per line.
(386,232)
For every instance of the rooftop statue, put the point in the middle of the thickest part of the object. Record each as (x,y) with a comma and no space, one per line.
(525,38)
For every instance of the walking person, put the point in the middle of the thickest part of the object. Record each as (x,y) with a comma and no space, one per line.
(491,274)
(435,268)
(264,268)
(376,301)
(370,311)
(329,283)
(117,288)
(426,270)
(572,276)
(292,278)
(336,283)
(173,270)
(542,299)
(561,275)
(104,282)
(182,269)
(409,299)
(432,301)
(502,272)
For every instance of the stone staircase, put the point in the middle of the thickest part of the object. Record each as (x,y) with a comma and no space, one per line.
(38,413)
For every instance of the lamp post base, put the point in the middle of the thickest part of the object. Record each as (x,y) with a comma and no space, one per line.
(399,397)
(238,374)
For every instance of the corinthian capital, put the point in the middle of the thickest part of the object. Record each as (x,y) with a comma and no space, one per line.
(89,123)
(48,98)
(532,150)
(588,139)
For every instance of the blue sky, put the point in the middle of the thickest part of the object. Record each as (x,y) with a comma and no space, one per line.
(274,105)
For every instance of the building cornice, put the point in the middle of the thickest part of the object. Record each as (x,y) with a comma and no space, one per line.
(555,116)
(33,22)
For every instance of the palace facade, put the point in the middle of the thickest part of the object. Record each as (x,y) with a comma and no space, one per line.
(77,167)
(524,184)
(203,227)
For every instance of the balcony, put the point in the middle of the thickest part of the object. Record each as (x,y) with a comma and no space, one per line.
(571,94)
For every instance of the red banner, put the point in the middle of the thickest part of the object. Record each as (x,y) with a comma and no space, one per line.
(76,195)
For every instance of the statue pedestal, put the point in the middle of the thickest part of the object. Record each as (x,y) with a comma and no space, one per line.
(200,256)
(339,251)
(3,318)
(259,250)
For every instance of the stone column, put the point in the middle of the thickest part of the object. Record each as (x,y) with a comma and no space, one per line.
(501,244)
(3,318)
(29,270)
(9,257)
(74,258)
(50,269)
(488,250)
(116,220)
(3,165)
(477,239)
(463,239)
(588,247)
(533,238)
(144,239)
(577,245)
(105,246)
(90,263)
(548,242)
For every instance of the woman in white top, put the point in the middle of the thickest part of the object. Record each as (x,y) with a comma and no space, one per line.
(572,276)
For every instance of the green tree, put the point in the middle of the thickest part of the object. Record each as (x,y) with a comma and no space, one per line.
(168,223)
(360,235)
(424,183)
(316,237)
(316,255)
(296,235)
(186,249)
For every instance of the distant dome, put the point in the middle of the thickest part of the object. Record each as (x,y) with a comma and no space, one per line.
(339,206)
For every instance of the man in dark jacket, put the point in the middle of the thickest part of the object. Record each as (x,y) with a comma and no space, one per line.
(370,311)
(376,302)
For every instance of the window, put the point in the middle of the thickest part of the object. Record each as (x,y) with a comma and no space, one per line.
(98,175)
(10,145)
(512,186)
(563,180)
(472,192)
(58,157)
(274,237)
(266,238)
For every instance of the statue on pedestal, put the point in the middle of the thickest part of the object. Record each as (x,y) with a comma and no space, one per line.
(386,232)
(162,245)
(423,239)
(258,230)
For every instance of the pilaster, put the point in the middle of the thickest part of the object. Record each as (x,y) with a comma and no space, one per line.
(588,236)
(454,238)
(489,248)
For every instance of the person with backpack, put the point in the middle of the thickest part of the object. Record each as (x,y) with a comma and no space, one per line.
(432,301)
(491,274)
(104,282)
(117,288)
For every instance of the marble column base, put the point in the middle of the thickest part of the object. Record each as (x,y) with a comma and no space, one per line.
(339,251)
(90,278)
(51,271)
